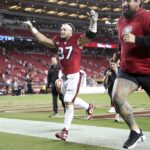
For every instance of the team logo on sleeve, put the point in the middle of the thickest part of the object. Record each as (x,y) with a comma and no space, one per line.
(127,29)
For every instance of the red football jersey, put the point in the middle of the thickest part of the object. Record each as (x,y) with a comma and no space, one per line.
(134,58)
(69,53)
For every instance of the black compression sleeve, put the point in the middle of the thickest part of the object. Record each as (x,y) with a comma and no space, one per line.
(143,41)
(90,34)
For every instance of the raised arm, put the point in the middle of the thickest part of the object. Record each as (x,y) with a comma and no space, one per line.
(40,37)
(91,33)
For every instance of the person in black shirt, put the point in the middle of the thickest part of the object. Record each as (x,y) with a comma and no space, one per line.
(109,79)
(53,75)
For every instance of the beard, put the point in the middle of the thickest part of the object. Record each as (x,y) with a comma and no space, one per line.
(129,13)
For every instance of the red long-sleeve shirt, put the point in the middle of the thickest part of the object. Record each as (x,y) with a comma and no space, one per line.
(135,58)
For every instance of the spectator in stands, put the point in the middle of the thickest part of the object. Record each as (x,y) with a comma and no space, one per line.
(53,75)
(15,88)
(109,79)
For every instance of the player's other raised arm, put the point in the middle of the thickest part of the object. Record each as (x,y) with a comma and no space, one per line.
(40,37)
(91,33)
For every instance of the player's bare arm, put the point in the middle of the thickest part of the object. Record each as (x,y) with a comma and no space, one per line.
(40,37)
(91,33)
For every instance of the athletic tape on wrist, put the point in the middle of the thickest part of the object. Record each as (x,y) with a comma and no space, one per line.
(89,34)
(93,26)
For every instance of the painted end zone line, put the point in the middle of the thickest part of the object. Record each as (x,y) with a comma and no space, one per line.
(99,136)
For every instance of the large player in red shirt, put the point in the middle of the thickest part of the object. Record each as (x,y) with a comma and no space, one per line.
(69,48)
(134,37)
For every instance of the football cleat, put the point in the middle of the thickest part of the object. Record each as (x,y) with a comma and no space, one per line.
(89,111)
(133,139)
(62,134)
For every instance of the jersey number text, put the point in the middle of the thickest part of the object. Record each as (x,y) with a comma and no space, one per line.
(61,52)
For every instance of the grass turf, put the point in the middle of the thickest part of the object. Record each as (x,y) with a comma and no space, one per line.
(9,106)
(19,142)
(139,101)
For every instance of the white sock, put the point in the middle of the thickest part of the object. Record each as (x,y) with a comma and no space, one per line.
(81,103)
(68,116)
(138,131)
(117,116)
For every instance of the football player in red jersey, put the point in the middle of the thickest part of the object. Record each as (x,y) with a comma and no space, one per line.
(134,37)
(69,48)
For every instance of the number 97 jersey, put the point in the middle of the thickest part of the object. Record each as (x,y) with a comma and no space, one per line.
(69,53)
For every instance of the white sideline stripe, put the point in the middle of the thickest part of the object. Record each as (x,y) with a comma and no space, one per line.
(92,135)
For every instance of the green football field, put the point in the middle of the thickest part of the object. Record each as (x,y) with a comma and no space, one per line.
(39,107)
